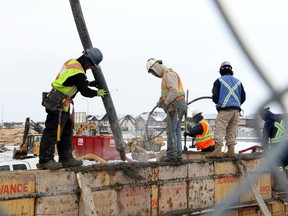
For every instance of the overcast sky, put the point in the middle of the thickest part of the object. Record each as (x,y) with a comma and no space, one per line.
(38,36)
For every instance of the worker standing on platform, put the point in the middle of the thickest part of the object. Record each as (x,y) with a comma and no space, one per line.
(59,124)
(172,101)
(274,133)
(202,133)
(228,94)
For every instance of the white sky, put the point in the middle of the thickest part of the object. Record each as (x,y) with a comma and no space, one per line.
(38,36)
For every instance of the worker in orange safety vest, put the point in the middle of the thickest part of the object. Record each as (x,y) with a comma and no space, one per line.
(202,133)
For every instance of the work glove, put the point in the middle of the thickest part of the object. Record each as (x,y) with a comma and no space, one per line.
(186,134)
(93,83)
(101,92)
(162,105)
(159,104)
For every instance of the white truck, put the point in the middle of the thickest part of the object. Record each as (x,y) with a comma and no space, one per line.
(14,165)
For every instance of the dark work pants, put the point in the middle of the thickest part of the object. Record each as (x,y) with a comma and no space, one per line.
(49,137)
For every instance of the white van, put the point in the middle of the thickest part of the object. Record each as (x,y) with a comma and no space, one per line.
(14,165)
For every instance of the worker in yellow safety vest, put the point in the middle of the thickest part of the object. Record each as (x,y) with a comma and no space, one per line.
(202,132)
(59,125)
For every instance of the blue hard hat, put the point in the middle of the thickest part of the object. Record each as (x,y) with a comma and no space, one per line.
(94,54)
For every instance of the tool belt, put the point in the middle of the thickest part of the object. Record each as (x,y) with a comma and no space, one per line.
(172,106)
(53,100)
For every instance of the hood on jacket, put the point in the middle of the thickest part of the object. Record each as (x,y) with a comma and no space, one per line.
(266,114)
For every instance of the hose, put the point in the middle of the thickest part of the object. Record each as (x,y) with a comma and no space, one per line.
(151,112)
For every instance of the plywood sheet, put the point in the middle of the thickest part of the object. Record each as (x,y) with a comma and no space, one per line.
(17,207)
(200,169)
(226,186)
(225,167)
(250,211)
(172,197)
(265,186)
(134,201)
(49,182)
(172,172)
(57,205)
(201,193)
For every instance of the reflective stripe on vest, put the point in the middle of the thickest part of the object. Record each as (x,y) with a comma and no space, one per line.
(70,68)
(280,135)
(165,89)
(204,140)
(231,92)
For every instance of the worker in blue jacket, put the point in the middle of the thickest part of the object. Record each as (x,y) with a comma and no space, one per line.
(274,134)
(228,94)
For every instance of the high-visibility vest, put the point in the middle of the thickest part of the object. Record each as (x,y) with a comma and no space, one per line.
(204,140)
(230,92)
(165,89)
(280,135)
(70,68)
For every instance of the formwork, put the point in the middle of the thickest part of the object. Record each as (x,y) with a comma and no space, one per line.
(191,187)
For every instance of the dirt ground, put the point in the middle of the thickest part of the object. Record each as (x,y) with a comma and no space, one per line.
(13,137)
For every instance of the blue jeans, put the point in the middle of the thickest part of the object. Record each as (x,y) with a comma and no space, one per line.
(174,133)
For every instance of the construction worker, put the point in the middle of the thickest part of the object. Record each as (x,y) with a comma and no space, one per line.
(172,101)
(202,133)
(273,134)
(228,94)
(59,125)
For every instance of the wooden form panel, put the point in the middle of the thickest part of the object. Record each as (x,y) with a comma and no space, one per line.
(15,184)
(105,203)
(225,167)
(172,196)
(201,193)
(172,172)
(225,187)
(15,207)
(203,169)
(148,190)
(250,211)
(134,201)
(278,209)
(58,205)
(55,182)
(266,186)
(247,195)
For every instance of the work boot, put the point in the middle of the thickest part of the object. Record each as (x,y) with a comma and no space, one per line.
(230,153)
(217,153)
(51,164)
(71,162)
(168,159)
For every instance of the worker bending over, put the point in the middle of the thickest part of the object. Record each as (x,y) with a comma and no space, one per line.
(172,101)
(202,133)
(59,125)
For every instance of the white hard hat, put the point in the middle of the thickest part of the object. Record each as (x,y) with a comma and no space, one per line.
(225,65)
(151,62)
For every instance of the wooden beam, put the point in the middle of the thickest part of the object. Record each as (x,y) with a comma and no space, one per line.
(86,196)
(255,192)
